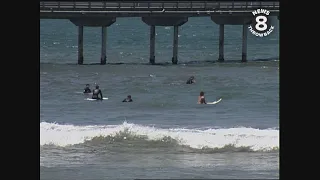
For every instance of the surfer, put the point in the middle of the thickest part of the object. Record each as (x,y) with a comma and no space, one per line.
(191,80)
(128,99)
(87,89)
(96,92)
(201,99)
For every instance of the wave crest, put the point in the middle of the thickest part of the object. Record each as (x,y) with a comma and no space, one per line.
(132,135)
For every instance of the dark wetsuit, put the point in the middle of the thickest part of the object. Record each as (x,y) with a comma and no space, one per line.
(190,81)
(203,101)
(87,90)
(127,100)
(95,94)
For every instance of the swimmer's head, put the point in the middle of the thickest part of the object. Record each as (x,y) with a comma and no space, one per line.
(97,86)
(129,96)
(192,77)
(87,85)
(201,93)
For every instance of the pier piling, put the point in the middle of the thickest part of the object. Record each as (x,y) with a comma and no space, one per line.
(175,45)
(244,42)
(103,59)
(80,44)
(152,44)
(221,43)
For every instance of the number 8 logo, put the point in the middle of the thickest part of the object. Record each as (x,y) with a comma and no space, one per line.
(261,21)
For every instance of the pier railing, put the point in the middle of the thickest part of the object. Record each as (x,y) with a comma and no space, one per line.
(155,7)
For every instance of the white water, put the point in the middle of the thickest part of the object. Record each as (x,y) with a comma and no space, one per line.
(256,139)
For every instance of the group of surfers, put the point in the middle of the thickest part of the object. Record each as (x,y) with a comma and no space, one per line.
(97,94)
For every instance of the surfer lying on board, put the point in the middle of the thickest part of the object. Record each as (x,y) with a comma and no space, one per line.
(201,99)
(96,92)
(191,80)
(128,99)
(87,89)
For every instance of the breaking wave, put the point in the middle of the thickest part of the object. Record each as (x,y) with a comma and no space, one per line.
(208,140)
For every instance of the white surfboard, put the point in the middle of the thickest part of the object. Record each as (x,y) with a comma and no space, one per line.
(90,99)
(215,102)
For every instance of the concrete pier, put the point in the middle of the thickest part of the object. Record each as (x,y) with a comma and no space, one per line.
(152,44)
(244,42)
(232,20)
(93,22)
(175,45)
(80,44)
(103,59)
(221,43)
(155,13)
(164,21)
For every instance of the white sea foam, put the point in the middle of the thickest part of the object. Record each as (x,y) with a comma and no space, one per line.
(256,139)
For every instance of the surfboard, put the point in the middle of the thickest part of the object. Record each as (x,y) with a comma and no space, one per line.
(215,102)
(90,99)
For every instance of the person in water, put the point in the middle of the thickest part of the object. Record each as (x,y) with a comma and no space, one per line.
(128,99)
(201,98)
(191,80)
(96,92)
(87,89)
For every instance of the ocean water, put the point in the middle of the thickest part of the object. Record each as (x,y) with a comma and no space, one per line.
(163,133)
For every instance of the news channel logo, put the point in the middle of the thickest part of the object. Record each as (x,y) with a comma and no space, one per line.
(261,25)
